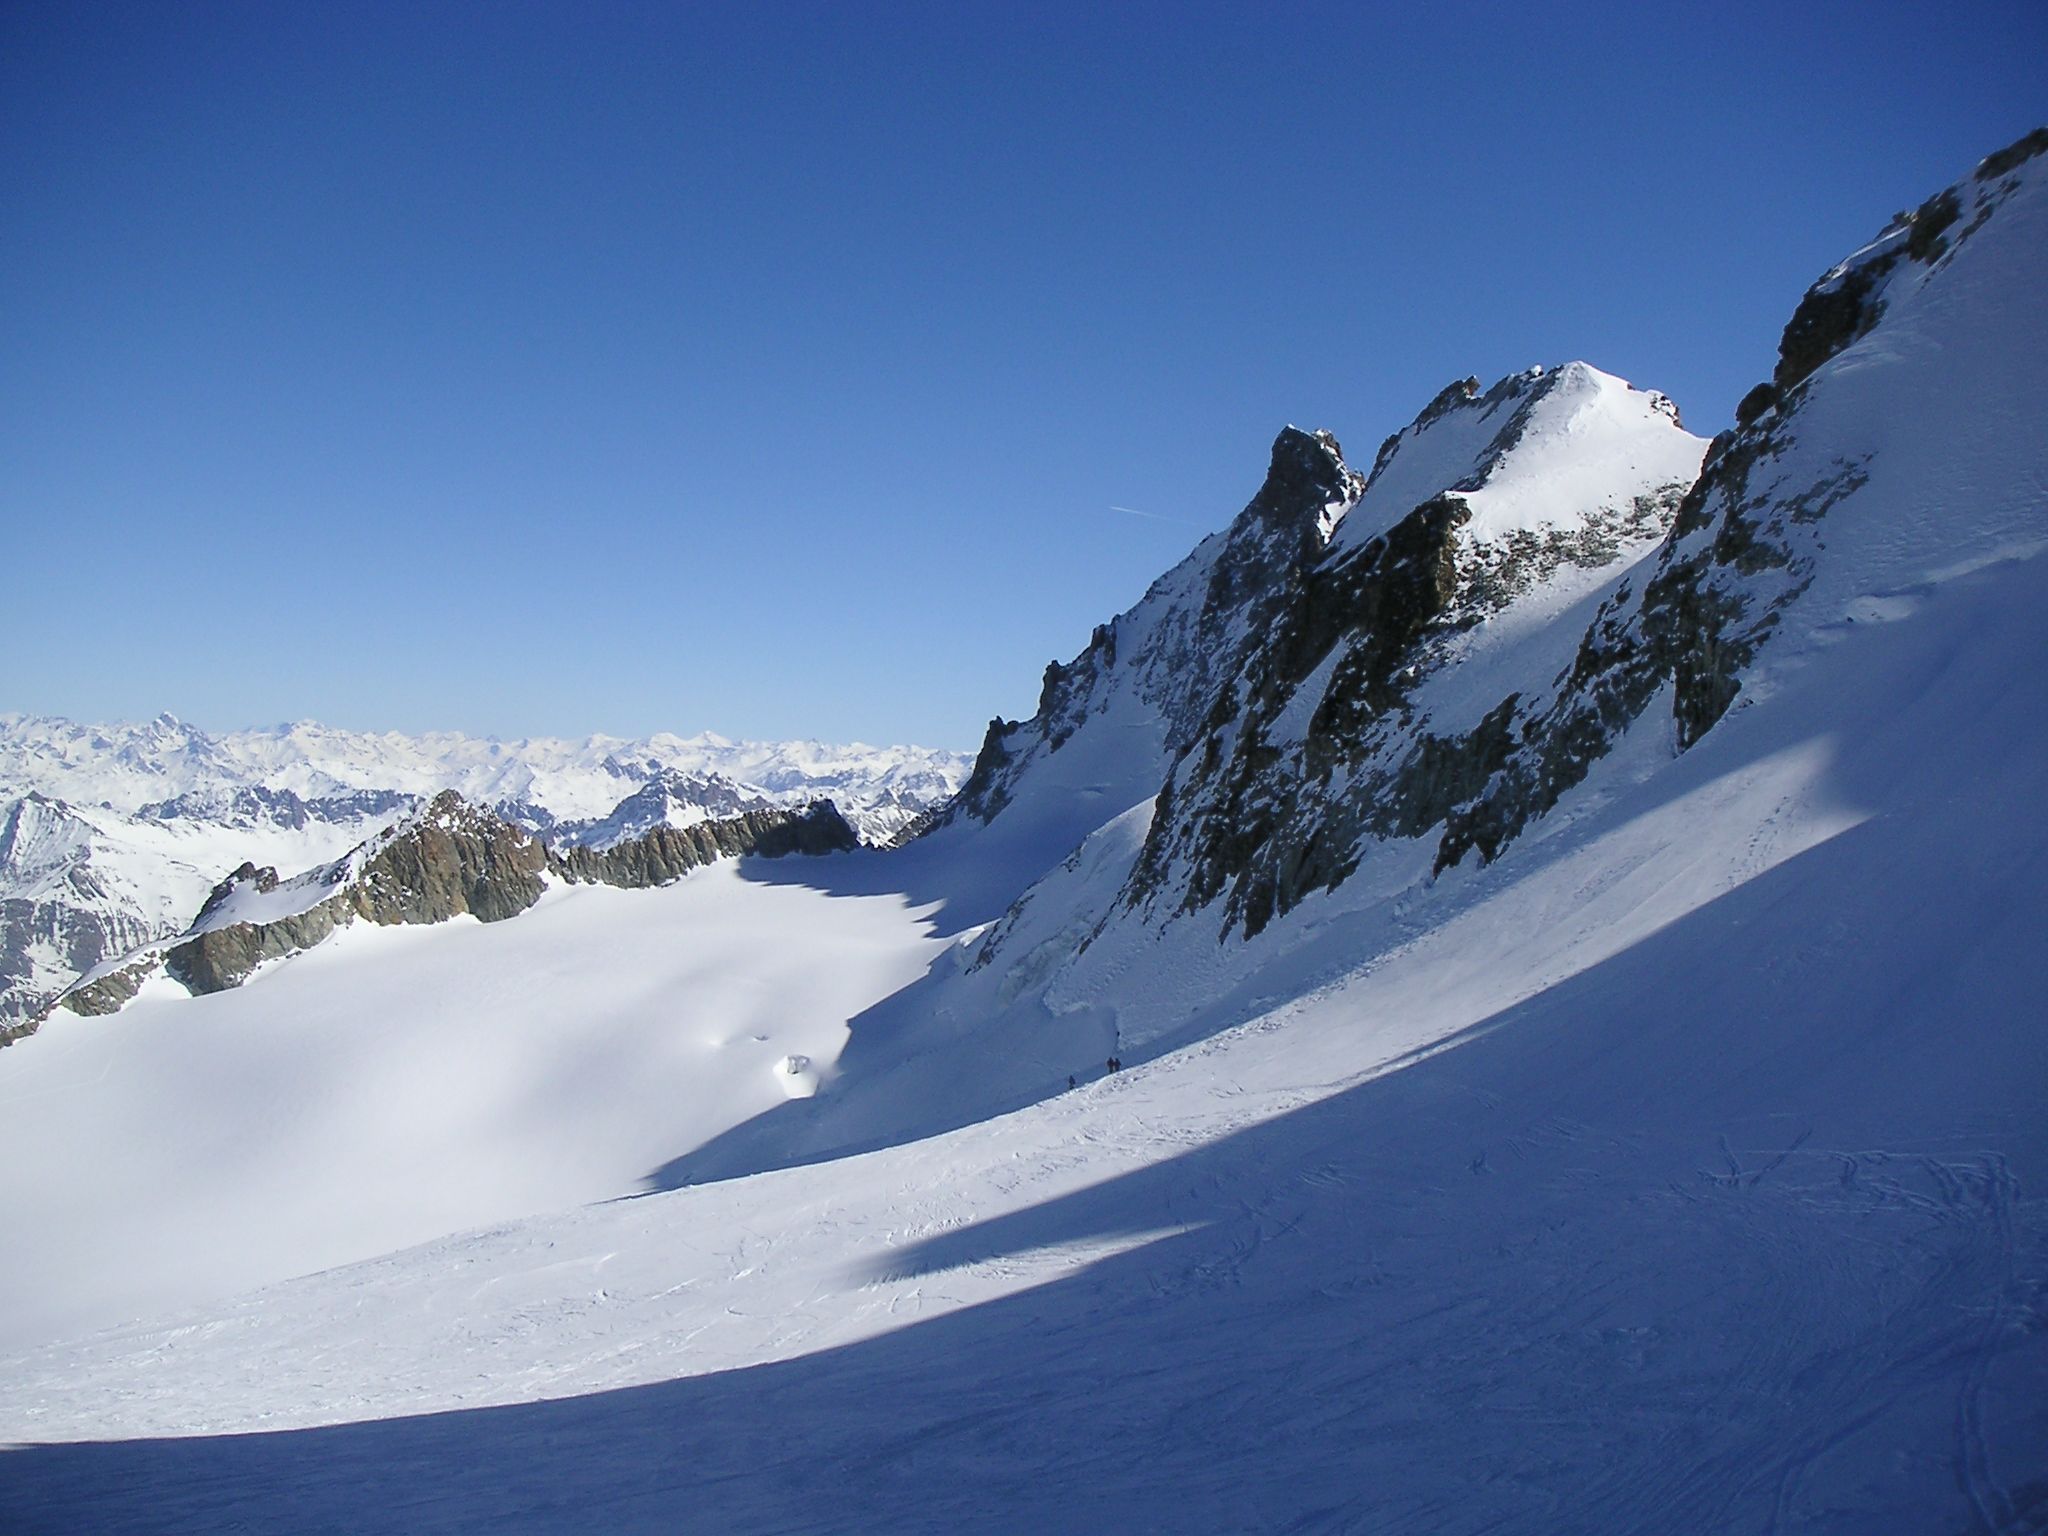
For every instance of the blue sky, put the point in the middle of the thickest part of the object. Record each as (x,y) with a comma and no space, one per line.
(779,370)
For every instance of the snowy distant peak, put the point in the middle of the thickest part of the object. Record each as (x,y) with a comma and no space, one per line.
(39,839)
(134,824)
(671,798)
(175,769)
(254,804)
(1542,448)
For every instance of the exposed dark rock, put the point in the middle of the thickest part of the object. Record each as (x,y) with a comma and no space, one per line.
(1830,317)
(457,858)
(1752,405)
(1696,626)
(666,854)
(1844,305)
(1196,647)
(986,791)
(452,858)
(2013,156)
(224,957)
(1267,824)
(109,993)
(1927,239)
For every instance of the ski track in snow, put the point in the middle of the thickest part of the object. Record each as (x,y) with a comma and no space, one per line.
(1678,1172)
(1540,1259)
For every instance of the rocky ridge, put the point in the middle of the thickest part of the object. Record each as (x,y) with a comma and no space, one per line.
(1440,656)
(1285,661)
(446,860)
(1164,661)
(1346,728)
(136,823)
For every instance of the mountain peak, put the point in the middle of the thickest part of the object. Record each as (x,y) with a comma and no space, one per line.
(1307,481)
(1543,447)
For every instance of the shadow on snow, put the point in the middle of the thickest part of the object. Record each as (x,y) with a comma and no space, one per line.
(1721,1264)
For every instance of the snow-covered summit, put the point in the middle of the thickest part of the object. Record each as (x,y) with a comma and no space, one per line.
(1331,611)
(1555,1045)
(670,798)
(1538,450)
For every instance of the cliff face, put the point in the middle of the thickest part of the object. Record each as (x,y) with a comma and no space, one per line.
(666,853)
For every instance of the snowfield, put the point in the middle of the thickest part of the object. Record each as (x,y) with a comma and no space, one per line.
(1546,1216)
(1679,1171)
(394,1084)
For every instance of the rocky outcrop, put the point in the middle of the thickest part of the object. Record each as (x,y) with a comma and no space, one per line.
(132,823)
(1196,628)
(112,990)
(449,859)
(224,957)
(452,858)
(1322,744)
(457,859)
(665,854)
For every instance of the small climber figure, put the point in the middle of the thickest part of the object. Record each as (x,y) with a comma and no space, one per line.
(1070,1079)
(1116,1064)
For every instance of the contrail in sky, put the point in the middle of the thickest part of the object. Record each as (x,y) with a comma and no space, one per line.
(1155,516)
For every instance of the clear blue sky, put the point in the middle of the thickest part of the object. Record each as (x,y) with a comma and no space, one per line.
(777,369)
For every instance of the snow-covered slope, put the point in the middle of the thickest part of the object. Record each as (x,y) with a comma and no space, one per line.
(400,1082)
(1578,987)
(1670,1174)
(1329,675)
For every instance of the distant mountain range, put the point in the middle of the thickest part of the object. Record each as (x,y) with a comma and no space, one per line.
(1503,994)
(112,835)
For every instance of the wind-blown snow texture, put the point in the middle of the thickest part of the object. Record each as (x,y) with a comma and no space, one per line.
(1666,1161)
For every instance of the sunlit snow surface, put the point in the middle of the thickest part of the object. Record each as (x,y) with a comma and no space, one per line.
(396,1083)
(1671,1175)
(1679,1172)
